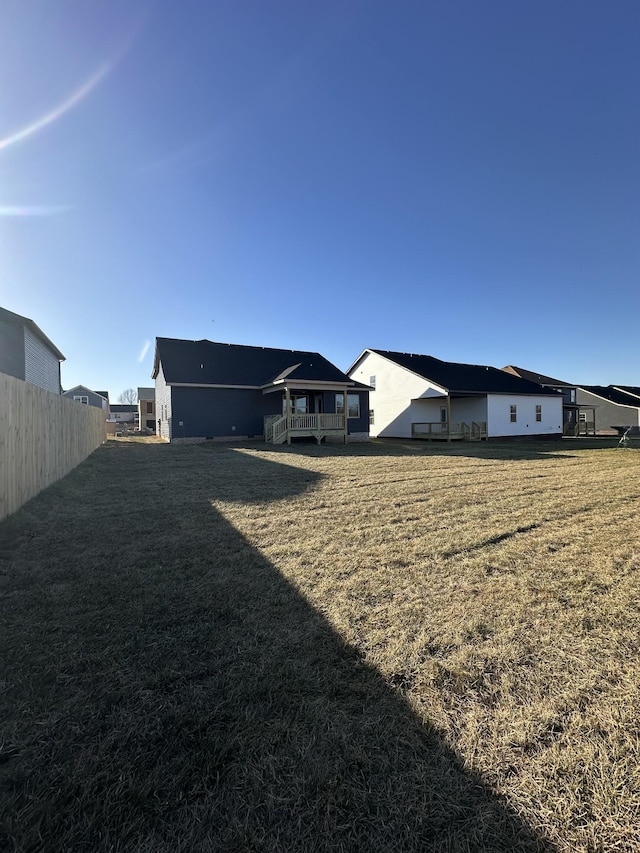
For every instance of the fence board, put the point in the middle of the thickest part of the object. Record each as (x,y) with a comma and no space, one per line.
(42,437)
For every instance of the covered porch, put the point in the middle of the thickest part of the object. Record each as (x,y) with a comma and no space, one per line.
(449,417)
(304,412)
(578,419)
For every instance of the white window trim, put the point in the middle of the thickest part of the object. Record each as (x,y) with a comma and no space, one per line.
(340,409)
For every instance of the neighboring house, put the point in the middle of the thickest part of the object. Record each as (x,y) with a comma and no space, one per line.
(27,353)
(418,396)
(206,390)
(82,394)
(124,413)
(616,406)
(147,409)
(576,419)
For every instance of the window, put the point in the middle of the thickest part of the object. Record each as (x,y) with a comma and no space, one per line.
(353,402)
(372,382)
(299,405)
(513,414)
(149,408)
(538,413)
(582,417)
(443,415)
(81,398)
(371,417)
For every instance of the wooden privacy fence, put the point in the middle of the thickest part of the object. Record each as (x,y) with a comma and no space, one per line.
(42,438)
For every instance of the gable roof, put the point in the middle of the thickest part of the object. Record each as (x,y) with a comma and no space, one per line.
(11,317)
(104,394)
(613,394)
(464,379)
(209,363)
(540,378)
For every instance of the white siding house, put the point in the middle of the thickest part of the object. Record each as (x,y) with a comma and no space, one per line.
(418,395)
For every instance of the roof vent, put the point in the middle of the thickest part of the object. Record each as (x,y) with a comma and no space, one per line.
(201,365)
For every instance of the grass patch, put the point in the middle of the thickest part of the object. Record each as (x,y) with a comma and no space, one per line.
(385,647)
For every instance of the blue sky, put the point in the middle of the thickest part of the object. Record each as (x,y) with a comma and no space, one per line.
(456,178)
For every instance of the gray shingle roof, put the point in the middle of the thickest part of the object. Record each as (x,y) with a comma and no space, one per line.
(209,363)
(465,378)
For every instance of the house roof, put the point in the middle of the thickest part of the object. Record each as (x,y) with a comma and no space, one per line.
(124,407)
(209,363)
(629,389)
(464,379)
(540,378)
(11,317)
(104,394)
(613,394)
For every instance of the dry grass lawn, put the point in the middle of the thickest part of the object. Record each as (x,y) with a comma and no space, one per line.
(364,648)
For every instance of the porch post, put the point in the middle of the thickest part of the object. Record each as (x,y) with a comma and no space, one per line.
(287,404)
(448,417)
(346,415)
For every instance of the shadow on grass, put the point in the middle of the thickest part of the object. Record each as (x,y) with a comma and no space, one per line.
(169,690)
(508,450)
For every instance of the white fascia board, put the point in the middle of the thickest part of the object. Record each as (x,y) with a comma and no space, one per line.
(358,360)
(310,384)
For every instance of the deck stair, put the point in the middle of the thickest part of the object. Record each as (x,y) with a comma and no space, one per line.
(279,429)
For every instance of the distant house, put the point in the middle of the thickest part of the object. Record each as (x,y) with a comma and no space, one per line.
(124,413)
(207,390)
(576,419)
(27,353)
(147,409)
(419,396)
(82,394)
(616,407)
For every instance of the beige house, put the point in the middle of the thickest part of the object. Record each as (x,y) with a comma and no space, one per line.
(147,409)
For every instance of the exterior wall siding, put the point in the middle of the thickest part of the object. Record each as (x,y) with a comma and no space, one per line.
(221,412)
(391,399)
(226,413)
(499,416)
(609,414)
(163,406)
(42,367)
(12,349)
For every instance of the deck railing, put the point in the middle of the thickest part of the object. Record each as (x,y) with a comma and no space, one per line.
(444,431)
(275,426)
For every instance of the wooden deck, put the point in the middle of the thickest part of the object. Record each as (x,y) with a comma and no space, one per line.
(279,429)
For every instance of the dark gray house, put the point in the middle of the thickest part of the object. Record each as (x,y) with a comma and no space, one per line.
(27,353)
(616,407)
(207,390)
